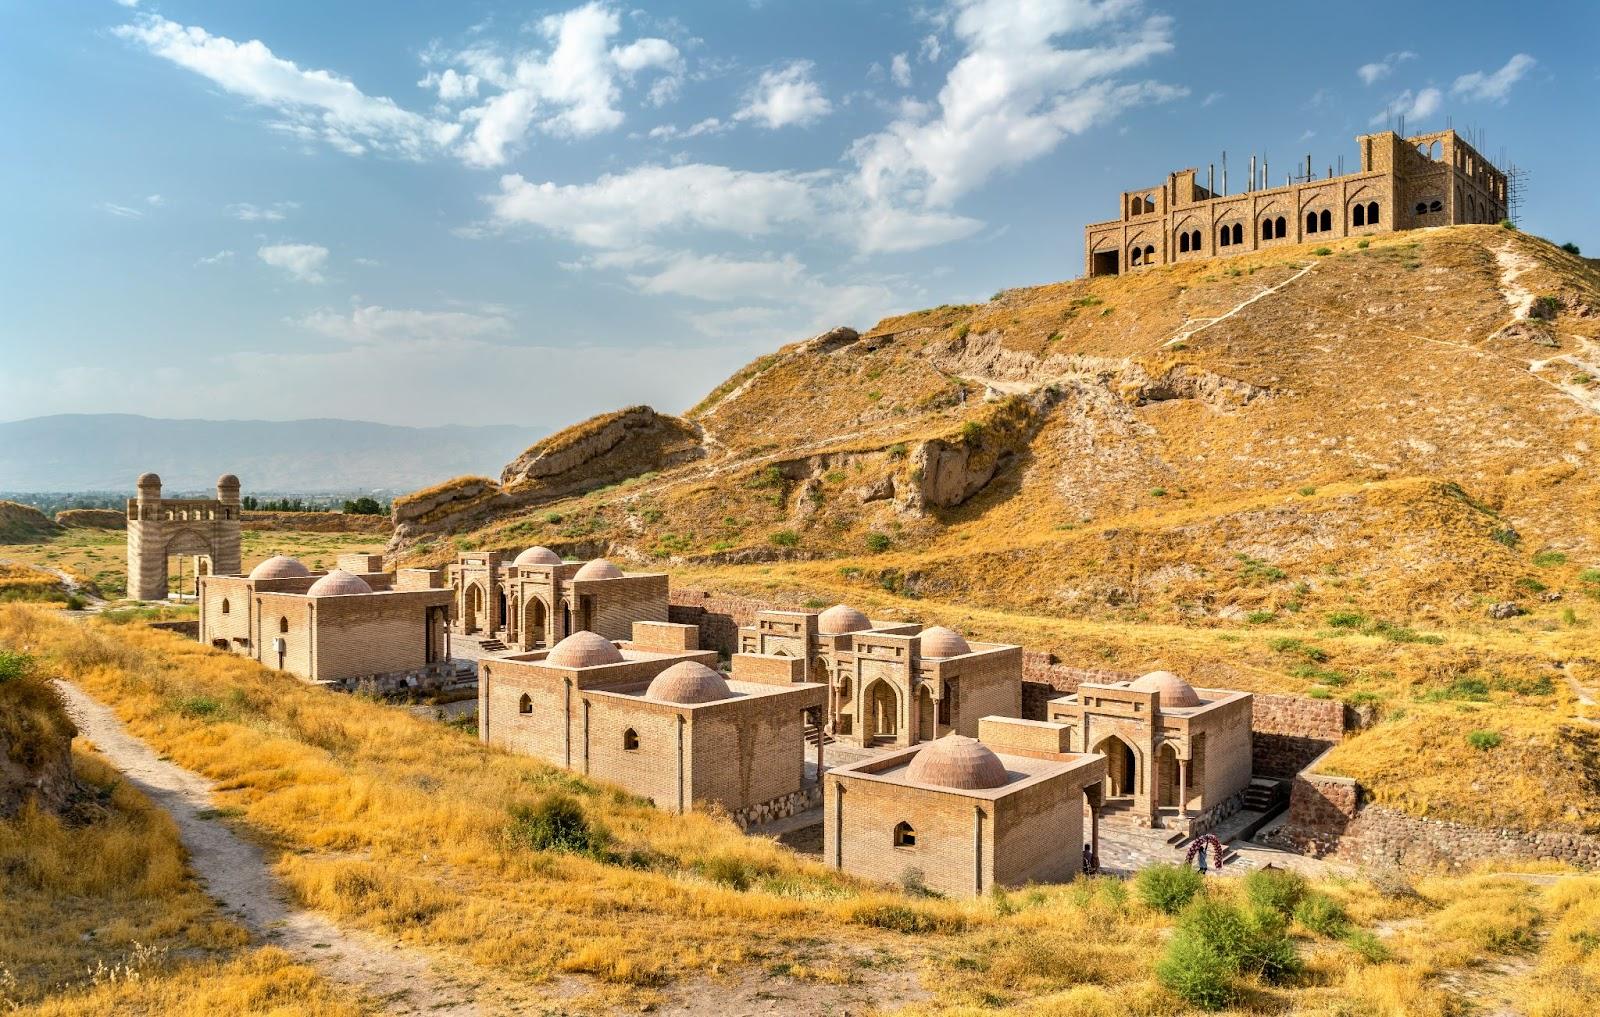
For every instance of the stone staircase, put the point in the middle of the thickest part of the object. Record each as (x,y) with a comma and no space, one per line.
(1265,794)
(493,645)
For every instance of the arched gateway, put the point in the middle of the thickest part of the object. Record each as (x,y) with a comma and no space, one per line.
(205,529)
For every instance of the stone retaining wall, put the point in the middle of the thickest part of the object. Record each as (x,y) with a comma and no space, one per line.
(1327,816)
(781,807)
(1289,732)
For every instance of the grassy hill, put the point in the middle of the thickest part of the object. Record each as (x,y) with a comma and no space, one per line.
(1310,469)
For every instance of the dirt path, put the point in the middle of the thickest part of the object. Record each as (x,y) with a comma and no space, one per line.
(235,873)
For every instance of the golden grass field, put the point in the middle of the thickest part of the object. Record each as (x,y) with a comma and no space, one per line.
(403,826)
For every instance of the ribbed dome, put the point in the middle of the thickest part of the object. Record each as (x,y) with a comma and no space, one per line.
(149,480)
(1174,690)
(688,682)
(957,761)
(338,583)
(538,556)
(228,480)
(598,569)
(584,649)
(938,641)
(280,566)
(841,618)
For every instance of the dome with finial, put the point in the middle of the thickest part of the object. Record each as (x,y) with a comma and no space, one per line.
(584,649)
(937,641)
(688,681)
(538,556)
(842,618)
(338,583)
(149,480)
(959,762)
(1174,690)
(228,481)
(598,569)
(280,566)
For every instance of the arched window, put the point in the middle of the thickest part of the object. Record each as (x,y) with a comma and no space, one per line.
(1238,233)
(1311,222)
(1372,213)
(1194,241)
(1436,205)
(1136,256)
(630,740)
(1224,237)
(1183,243)
(1358,215)
(283,624)
(525,705)
(1422,208)
(1266,229)
(1150,254)
(1327,220)
(1283,226)
(224,605)
(904,835)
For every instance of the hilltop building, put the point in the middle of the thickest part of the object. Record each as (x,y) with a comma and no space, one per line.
(1403,183)
(964,814)
(206,529)
(536,600)
(354,626)
(889,683)
(1176,756)
(655,716)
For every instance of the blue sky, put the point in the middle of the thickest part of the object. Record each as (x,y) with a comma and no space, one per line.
(485,212)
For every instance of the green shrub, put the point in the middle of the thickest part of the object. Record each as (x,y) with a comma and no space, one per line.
(1197,972)
(961,333)
(896,918)
(1168,888)
(1507,536)
(1569,616)
(785,538)
(1322,915)
(1363,244)
(1216,942)
(1345,619)
(1571,248)
(897,450)
(1368,946)
(1158,492)
(1507,224)
(1260,617)
(1590,576)
(14,666)
(1323,252)
(195,707)
(1307,491)
(1278,889)
(1484,740)
(732,872)
(556,823)
(971,432)
(1545,559)
(878,543)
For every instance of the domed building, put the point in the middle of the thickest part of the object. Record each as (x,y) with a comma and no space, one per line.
(1003,809)
(1176,756)
(653,714)
(353,626)
(533,600)
(892,683)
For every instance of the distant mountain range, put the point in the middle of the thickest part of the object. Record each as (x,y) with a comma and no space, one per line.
(108,451)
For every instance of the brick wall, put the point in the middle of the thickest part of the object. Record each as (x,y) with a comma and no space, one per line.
(1291,731)
(1043,680)
(718,616)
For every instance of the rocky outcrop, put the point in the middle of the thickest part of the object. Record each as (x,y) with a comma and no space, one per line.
(946,474)
(95,519)
(24,524)
(601,451)
(35,745)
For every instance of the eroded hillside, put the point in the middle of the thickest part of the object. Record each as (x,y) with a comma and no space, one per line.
(1406,425)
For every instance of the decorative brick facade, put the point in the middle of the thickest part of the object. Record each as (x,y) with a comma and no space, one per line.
(535,601)
(205,529)
(1427,180)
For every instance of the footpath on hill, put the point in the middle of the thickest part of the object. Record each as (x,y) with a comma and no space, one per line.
(236,873)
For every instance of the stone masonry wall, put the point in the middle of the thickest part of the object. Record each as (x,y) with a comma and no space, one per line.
(1291,731)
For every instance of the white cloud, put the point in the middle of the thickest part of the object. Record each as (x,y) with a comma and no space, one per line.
(451,86)
(900,70)
(1495,86)
(314,104)
(244,211)
(1014,94)
(215,259)
(1380,69)
(1211,98)
(121,211)
(302,261)
(376,324)
(785,97)
(670,132)
(573,90)
(711,277)
(931,48)
(155,200)
(1413,106)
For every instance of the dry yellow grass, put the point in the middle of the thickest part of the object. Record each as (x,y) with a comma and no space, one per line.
(398,825)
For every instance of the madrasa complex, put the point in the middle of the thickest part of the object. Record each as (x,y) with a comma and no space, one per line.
(1403,183)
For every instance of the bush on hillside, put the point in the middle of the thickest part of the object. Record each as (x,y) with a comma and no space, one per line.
(556,823)
(1216,943)
(1571,248)
(1168,888)
(1277,889)
(1322,915)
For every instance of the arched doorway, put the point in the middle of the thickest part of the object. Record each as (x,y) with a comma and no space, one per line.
(474,612)
(1167,777)
(534,630)
(187,544)
(882,705)
(1122,767)
(501,618)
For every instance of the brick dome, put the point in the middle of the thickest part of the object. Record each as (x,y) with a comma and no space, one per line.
(598,569)
(957,761)
(338,583)
(688,682)
(841,618)
(228,480)
(584,649)
(538,556)
(280,566)
(1174,690)
(938,641)
(149,480)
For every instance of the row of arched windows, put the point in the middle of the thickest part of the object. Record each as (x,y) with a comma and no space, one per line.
(1364,215)
(1425,207)
(1319,222)
(1274,229)
(1188,242)
(1145,255)
(1228,235)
